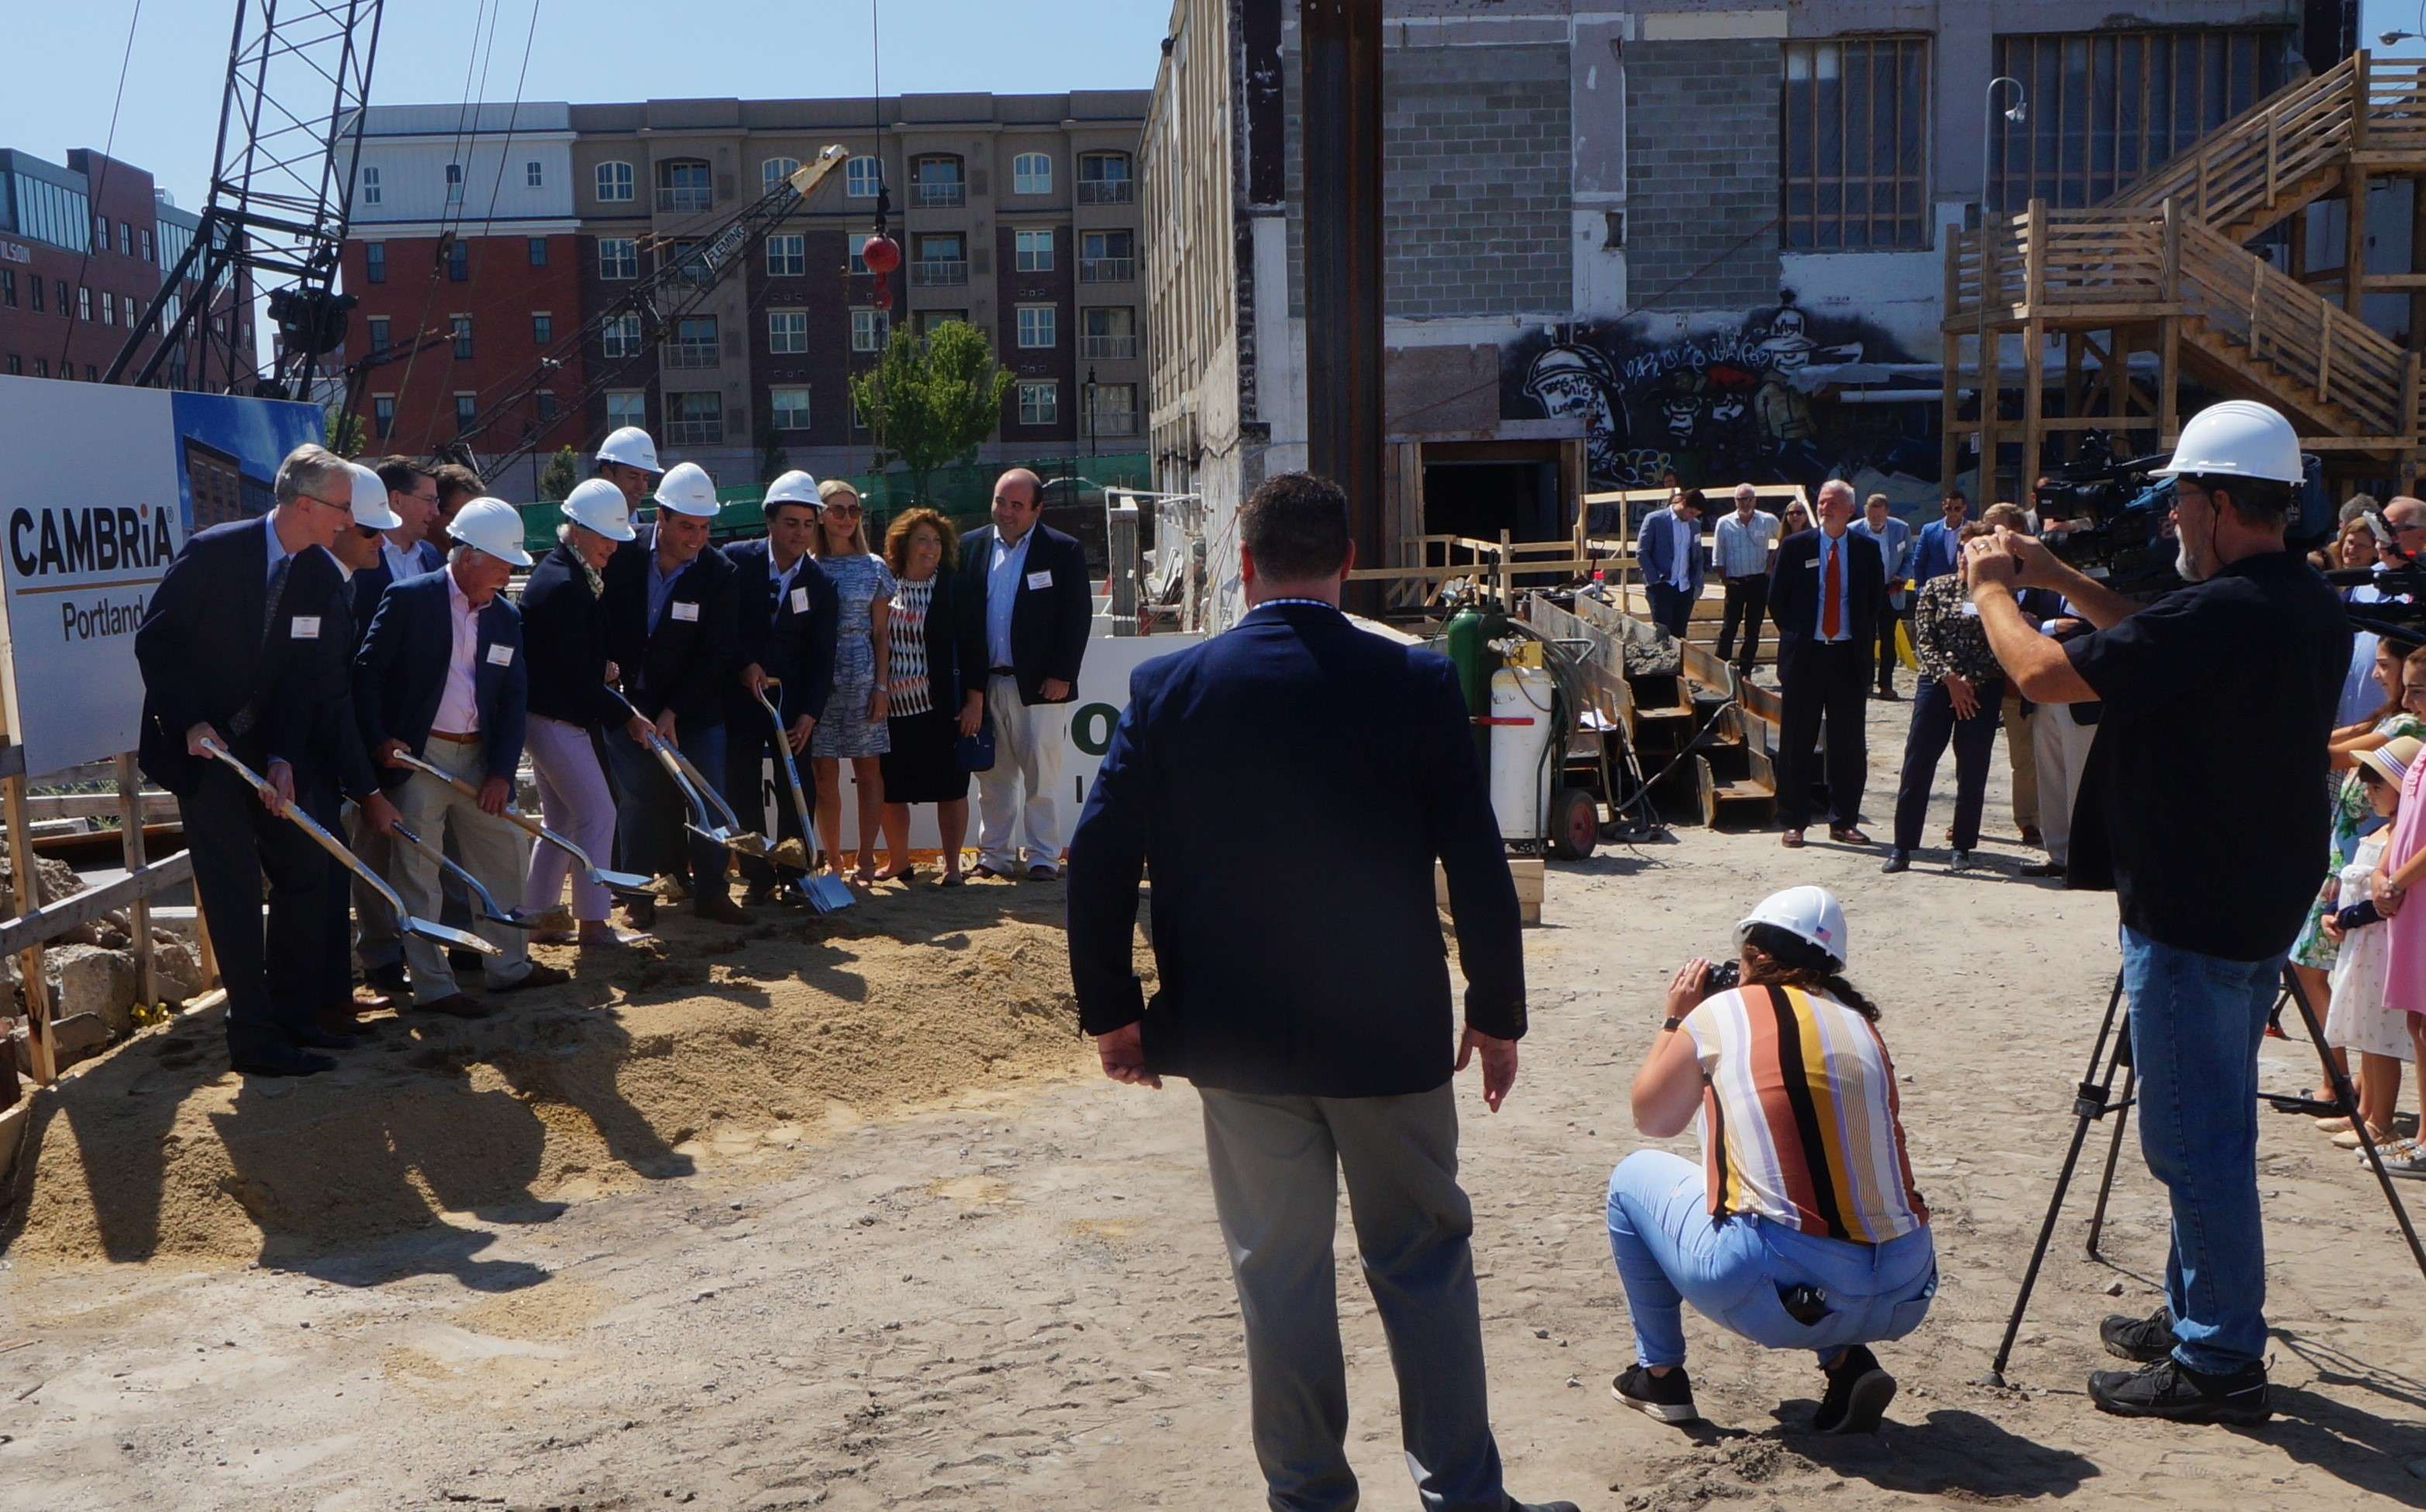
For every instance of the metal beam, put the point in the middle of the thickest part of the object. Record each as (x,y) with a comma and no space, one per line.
(1340,109)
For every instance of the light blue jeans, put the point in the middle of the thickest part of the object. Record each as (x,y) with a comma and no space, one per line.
(1670,1251)
(2196,1023)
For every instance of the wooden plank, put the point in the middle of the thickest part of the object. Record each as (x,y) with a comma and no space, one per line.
(40,806)
(139,912)
(24,933)
(29,955)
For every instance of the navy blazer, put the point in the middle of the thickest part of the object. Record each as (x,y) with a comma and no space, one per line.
(1655,544)
(373,581)
(205,655)
(1935,552)
(1050,620)
(564,641)
(681,664)
(1794,591)
(400,673)
(1296,734)
(793,640)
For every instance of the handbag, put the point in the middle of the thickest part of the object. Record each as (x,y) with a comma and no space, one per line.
(976,752)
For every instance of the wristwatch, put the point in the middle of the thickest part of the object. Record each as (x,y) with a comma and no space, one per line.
(1673,1023)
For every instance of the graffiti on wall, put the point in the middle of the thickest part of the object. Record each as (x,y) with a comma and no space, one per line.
(1716,402)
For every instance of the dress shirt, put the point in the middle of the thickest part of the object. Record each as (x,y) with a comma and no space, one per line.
(459,707)
(1829,545)
(1680,558)
(1742,545)
(401,564)
(278,552)
(782,580)
(661,583)
(1002,590)
(1887,554)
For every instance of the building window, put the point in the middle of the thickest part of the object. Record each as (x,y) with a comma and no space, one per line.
(939,260)
(92,373)
(1036,326)
(16,365)
(461,325)
(1107,334)
(619,257)
(8,287)
(542,328)
(791,407)
(615,181)
(1106,257)
(370,186)
(538,248)
(546,405)
(787,331)
(1854,139)
(871,328)
(379,333)
(99,239)
(684,184)
(383,413)
(534,177)
(62,285)
(454,184)
(862,177)
(375,261)
(621,336)
(1033,251)
(126,238)
(924,321)
(42,367)
(84,302)
(34,294)
(2108,108)
(1112,408)
(787,257)
(467,408)
(627,407)
(694,343)
(936,182)
(1031,173)
(772,172)
(1104,178)
(145,237)
(694,419)
(109,309)
(458,261)
(1040,404)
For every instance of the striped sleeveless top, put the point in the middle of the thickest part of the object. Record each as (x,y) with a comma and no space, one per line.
(1801,1121)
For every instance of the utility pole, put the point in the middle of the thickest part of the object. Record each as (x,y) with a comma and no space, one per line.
(1340,103)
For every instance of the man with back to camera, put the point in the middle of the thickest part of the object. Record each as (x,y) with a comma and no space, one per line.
(1327,1047)
(1669,548)
(2202,807)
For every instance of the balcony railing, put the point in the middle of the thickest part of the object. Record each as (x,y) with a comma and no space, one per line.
(1107,349)
(936,272)
(691,354)
(1116,422)
(1106,269)
(939,196)
(685,199)
(694,432)
(1107,191)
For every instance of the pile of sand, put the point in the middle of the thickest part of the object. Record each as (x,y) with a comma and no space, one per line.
(719,1043)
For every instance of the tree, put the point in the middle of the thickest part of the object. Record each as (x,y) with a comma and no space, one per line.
(563,472)
(344,433)
(930,403)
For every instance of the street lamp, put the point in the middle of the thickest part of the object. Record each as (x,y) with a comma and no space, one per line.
(1091,408)
(2018,112)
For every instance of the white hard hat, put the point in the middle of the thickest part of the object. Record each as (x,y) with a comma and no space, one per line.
(794,487)
(687,489)
(631,446)
(599,505)
(493,526)
(2237,437)
(371,507)
(1811,914)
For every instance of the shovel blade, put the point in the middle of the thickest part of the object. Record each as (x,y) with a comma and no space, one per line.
(827,893)
(455,939)
(511,921)
(629,882)
(739,841)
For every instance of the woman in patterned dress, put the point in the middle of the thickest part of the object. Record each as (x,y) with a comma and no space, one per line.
(854,725)
(923,763)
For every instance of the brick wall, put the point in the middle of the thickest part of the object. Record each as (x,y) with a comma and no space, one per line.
(1702,166)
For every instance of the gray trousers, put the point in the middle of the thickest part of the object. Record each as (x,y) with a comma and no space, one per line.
(1276,1163)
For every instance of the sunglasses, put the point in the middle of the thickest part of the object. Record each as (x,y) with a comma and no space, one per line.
(367,532)
(841,511)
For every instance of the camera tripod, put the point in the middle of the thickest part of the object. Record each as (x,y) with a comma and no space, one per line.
(2093,1100)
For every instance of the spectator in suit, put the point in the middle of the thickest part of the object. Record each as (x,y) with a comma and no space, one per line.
(667,599)
(1960,698)
(1893,538)
(1024,607)
(1826,595)
(572,706)
(1934,551)
(413,496)
(2021,717)
(458,486)
(784,610)
(1740,543)
(922,764)
(1669,550)
(245,643)
(1327,1046)
(855,727)
(441,677)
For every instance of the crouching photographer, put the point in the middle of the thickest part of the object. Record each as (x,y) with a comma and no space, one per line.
(2200,807)
(1802,1228)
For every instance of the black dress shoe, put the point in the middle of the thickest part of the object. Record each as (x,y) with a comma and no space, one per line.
(278,1059)
(540,974)
(2042,869)
(455,1006)
(464,961)
(1514,1505)
(315,1037)
(387,980)
(1897,861)
(641,913)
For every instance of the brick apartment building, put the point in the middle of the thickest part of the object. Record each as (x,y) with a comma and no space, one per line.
(495,234)
(83,248)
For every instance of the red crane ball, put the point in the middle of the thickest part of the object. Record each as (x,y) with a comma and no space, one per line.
(882,255)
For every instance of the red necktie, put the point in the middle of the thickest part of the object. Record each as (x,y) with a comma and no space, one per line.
(1832,594)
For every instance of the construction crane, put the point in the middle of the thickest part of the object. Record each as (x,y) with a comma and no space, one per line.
(299,76)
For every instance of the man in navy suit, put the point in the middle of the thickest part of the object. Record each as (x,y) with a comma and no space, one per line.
(1826,594)
(1893,538)
(245,643)
(1938,549)
(1310,1003)
(441,676)
(1669,550)
(784,618)
(1025,607)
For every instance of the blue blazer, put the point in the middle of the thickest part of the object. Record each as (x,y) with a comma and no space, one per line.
(1298,735)
(1934,553)
(373,581)
(400,674)
(1655,550)
(1898,536)
(786,640)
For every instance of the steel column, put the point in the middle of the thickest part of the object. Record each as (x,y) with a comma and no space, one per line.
(1340,111)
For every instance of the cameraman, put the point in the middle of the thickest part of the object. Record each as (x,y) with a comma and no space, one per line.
(2200,807)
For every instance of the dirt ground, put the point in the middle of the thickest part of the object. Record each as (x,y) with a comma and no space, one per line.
(901,1249)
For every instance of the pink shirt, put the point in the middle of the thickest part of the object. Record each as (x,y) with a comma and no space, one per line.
(2405,982)
(459,707)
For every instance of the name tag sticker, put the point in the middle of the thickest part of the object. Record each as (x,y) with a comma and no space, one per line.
(685,611)
(799,601)
(1813,564)
(1041,580)
(501,654)
(305,627)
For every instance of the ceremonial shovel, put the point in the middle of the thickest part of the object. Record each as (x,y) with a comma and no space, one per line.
(623,884)
(436,932)
(825,892)
(509,918)
(707,805)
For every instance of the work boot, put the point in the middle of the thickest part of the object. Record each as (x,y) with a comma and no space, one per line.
(2173,1390)
(2141,1341)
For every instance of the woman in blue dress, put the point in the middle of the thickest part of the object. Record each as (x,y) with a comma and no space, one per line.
(854,725)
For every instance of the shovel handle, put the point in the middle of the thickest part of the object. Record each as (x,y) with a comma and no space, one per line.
(304,822)
(438,852)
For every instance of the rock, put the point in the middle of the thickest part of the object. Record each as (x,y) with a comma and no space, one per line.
(89,980)
(78,1038)
(176,971)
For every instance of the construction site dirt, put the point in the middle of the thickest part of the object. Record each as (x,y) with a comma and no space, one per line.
(837,1214)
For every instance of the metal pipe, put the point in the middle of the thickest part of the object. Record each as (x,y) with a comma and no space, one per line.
(1341,112)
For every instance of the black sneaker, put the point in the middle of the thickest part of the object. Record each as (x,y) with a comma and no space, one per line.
(1857,1396)
(2173,1390)
(2141,1341)
(1668,1398)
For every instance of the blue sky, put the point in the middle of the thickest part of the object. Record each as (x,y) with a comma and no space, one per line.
(64,59)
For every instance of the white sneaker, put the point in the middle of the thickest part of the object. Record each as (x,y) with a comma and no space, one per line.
(2409,1160)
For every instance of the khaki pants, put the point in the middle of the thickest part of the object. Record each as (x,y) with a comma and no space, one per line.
(491,851)
(2022,758)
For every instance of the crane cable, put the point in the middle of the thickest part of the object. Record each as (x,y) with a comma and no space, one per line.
(109,144)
